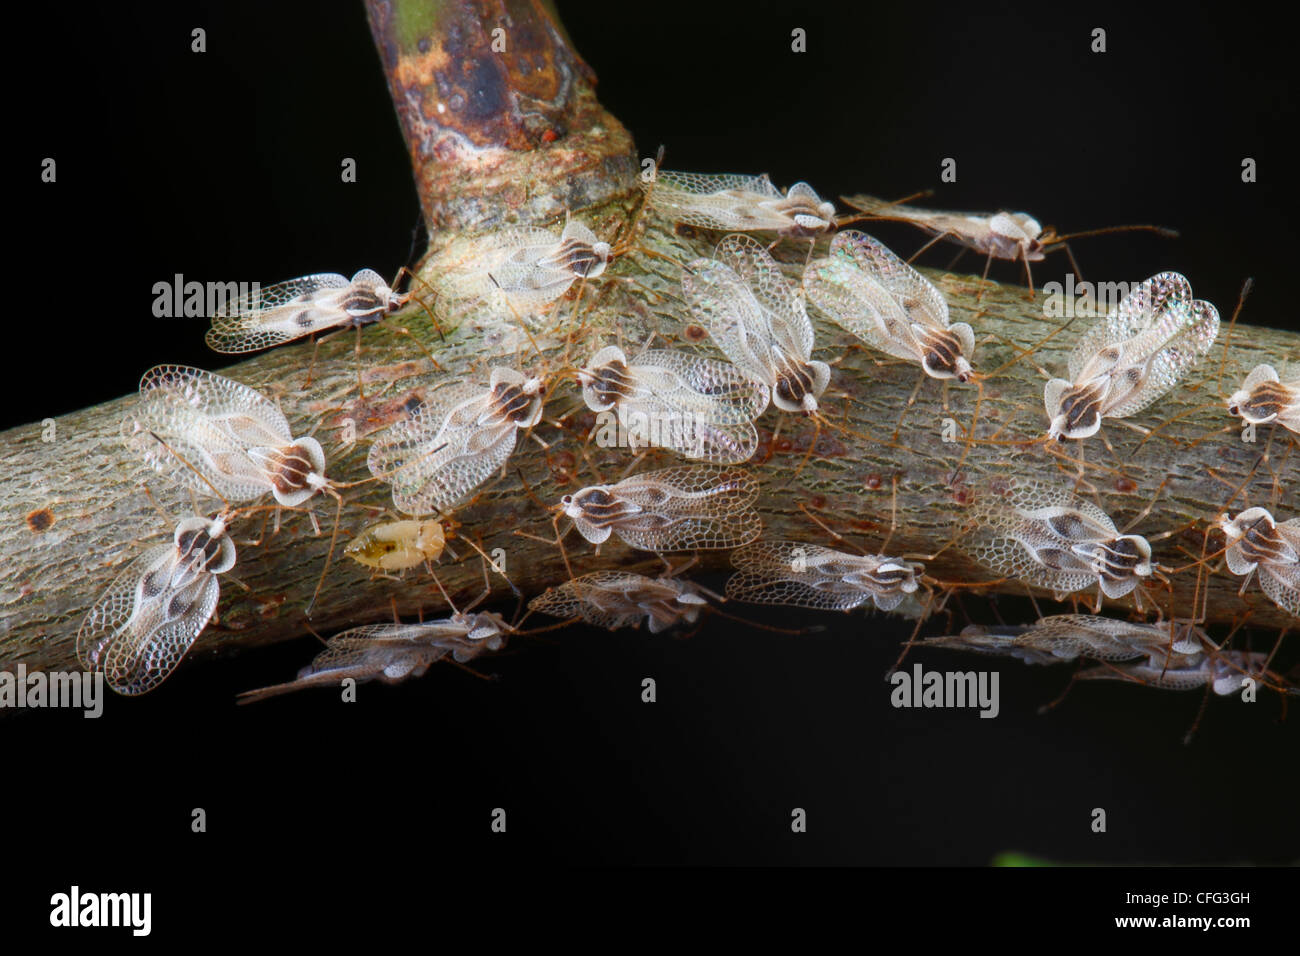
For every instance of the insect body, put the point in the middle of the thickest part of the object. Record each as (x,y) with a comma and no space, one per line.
(393,652)
(1259,545)
(741,204)
(210,433)
(1265,398)
(618,599)
(451,445)
(1132,358)
(300,307)
(807,575)
(1048,537)
(1001,235)
(523,268)
(1067,637)
(698,407)
(675,509)
(147,619)
(397,545)
(882,300)
(1225,671)
(757,320)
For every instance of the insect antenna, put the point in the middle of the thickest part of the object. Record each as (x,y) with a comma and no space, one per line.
(1164,231)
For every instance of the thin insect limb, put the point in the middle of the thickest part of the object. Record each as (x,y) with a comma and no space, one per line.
(1246,288)
(557,514)
(1029,275)
(1045,708)
(437,327)
(491,563)
(338,516)
(812,445)
(792,631)
(1200,713)
(167,519)
(911,400)
(912,640)
(984,278)
(1150,433)
(942,235)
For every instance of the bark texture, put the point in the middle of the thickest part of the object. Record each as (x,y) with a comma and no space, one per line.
(73,510)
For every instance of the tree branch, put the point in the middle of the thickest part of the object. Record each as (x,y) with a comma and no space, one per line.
(73,509)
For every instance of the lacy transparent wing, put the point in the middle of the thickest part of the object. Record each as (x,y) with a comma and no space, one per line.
(523,265)
(720,391)
(187,420)
(722,303)
(718,202)
(160,634)
(922,302)
(787,324)
(440,480)
(443,451)
(1140,311)
(112,612)
(279,313)
(821,594)
(702,490)
(968,228)
(842,291)
(1009,557)
(802,575)
(1281,582)
(1184,340)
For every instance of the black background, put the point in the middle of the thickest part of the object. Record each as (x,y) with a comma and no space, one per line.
(226,166)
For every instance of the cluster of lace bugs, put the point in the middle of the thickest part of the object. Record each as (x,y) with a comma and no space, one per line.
(217,437)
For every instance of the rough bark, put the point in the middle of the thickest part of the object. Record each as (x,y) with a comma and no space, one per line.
(73,509)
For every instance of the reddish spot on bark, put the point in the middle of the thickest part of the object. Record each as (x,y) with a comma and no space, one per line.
(1125,486)
(695,333)
(871,482)
(40,520)
(961,495)
(783,444)
(818,501)
(550,136)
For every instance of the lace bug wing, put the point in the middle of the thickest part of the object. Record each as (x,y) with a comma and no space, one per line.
(786,323)
(725,202)
(207,423)
(720,391)
(111,616)
(694,507)
(279,313)
(916,295)
(838,287)
(442,452)
(791,574)
(1183,338)
(722,303)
